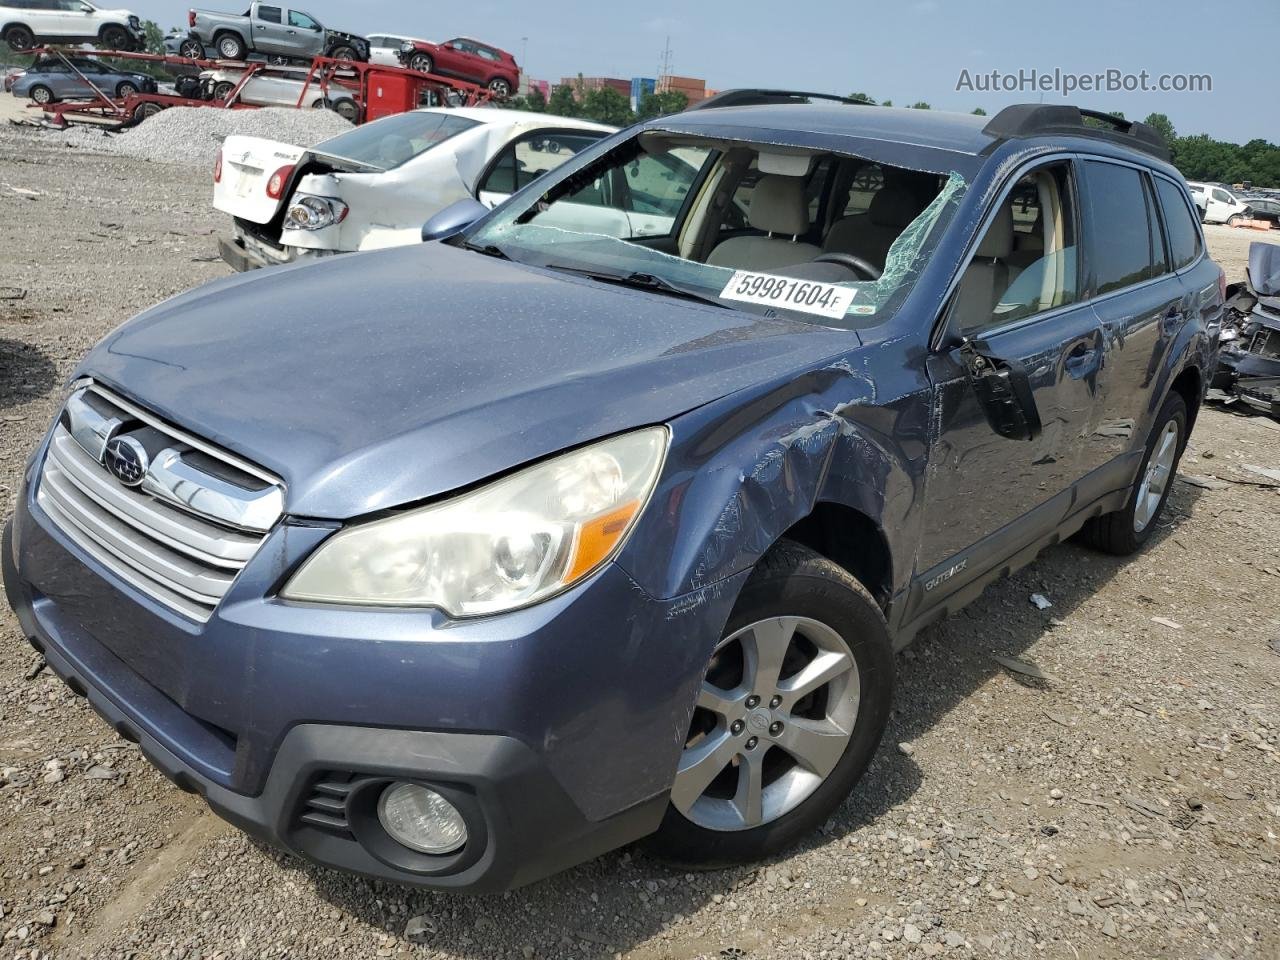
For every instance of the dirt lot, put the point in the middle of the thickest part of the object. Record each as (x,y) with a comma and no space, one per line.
(1128,806)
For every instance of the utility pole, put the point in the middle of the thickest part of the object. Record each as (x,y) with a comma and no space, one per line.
(665,69)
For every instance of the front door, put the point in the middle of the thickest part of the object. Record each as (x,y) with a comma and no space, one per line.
(1017,312)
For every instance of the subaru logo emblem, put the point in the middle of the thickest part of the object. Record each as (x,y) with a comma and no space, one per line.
(127,460)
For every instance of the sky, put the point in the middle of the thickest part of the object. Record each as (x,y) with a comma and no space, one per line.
(906,51)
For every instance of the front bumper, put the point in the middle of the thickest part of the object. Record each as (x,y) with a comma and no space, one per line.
(553,725)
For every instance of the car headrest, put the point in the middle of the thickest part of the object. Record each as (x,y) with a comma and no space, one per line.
(997,242)
(778,205)
(893,206)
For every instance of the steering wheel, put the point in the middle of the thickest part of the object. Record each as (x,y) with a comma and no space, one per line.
(852,262)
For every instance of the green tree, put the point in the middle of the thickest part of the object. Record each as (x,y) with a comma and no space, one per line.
(863,98)
(887,103)
(607,105)
(979,112)
(921,105)
(153,40)
(533,101)
(661,104)
(563,102)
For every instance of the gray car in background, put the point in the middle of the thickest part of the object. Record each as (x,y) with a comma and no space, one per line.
(52,78)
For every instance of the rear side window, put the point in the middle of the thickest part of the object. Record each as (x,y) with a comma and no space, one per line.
(1184,237)
(1127,246)
(269,14)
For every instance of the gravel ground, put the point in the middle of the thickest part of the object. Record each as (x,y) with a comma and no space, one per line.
(1127,806)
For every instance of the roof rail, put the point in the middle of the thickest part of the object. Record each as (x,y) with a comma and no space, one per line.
(1038,119)
(751,97)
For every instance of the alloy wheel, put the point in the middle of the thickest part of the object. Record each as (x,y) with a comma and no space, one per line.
(42,95)
(773,718)
(500,89)
(1157,478)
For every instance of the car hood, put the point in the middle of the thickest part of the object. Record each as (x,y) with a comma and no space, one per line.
(376,380)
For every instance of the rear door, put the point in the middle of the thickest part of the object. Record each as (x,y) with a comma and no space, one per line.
(52,18)
(1141,305)
(1018,317)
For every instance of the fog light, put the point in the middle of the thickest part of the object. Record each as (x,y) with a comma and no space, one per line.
(421,819)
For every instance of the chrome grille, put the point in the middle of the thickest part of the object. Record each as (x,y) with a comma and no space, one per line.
(184,532)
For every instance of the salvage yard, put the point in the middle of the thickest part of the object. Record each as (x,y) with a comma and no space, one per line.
(1098,778)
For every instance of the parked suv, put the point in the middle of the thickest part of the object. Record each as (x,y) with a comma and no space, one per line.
(465,59)
(459,563)
(25,24)
(1217,204)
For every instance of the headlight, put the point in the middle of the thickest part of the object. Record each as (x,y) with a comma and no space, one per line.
(308,212)
(407,47)
(508,545)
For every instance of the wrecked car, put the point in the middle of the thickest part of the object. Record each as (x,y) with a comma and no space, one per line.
(373,187)
(459,563)
(1250,358)
(279,87)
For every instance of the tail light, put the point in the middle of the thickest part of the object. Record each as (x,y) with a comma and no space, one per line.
(276,185)
(191,19)
(217,167)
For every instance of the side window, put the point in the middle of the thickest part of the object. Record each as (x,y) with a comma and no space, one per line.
(303,21)
(269,14)
(867,182)
(1184,237)
(1222,196)
(1027,261)
(528,158)
(659,184)
(1126,246)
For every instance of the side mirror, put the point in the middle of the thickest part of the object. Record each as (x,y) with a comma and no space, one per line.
(453,219)
(1004,391)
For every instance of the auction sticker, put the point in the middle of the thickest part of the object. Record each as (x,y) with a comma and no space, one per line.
(786,293)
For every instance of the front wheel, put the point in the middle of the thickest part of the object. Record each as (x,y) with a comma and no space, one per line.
(499,88)
(787,718)
(223,90)
(1126,531)
(126,89)
(116,38)
(421,62)
(344,51)
(1233,220)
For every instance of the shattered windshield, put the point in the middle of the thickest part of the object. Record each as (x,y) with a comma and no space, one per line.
(774,230)
(392,141)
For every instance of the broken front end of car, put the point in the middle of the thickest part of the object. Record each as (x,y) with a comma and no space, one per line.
(1249,366)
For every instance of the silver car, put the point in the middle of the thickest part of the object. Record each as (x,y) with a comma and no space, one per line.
(50,79)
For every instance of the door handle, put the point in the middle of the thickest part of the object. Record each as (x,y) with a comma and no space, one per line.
(1082,360)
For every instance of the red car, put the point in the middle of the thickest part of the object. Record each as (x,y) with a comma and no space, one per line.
(465,59)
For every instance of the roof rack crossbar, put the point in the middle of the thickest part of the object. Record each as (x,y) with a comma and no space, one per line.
(752,97)
(1038,119)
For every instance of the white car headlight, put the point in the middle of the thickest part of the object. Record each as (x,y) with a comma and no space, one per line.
(309,212)
(510,544)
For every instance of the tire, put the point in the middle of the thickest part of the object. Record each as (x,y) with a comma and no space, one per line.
(115,38)
(1127,530)
(500,88)
(145,111)
(191,48)
(223,90)
(344,51)
(231,47)
(19,38)
(833,616)
(1233,220)
(126,89)
(42,95)
(421,62)
(347,110)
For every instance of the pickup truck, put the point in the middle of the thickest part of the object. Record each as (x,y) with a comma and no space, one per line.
(275,32)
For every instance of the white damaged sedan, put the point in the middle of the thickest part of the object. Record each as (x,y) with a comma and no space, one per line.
(374,186)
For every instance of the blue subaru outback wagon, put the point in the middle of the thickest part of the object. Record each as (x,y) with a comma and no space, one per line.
(602,519)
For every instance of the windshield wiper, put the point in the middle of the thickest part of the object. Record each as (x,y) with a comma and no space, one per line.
(488,249)
(644,281)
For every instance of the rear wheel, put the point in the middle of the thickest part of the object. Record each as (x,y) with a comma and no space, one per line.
(191,48)
(347,110)
(788,716)
(116,38)
(42,94)
(1126,530)
(421,62)
(145,111)
(231,47)
(19,38)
